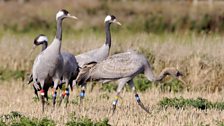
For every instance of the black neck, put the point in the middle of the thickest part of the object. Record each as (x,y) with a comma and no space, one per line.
(59,29)
(108,35)
(44,46)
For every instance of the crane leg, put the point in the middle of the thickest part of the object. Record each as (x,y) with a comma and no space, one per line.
(55,92)
(45,95)
(67,93)
(42,99)
(131,84)
(93,84)
(115,103)
(121,84)
(41,93)
(82,93)
(36,92)
(62,94)
(62,97)
(54,95)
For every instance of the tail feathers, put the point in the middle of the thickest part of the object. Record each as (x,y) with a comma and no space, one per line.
(84,72)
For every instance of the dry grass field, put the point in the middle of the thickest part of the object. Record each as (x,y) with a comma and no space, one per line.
(96,106)
(198,55)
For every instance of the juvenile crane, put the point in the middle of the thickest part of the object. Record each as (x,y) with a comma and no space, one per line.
(101,53)
(70,68)
(123,67)
(49,63)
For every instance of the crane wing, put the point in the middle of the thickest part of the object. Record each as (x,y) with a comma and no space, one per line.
(118,66)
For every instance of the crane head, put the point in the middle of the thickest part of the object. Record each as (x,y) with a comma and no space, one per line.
(64,14)
(40,39)
(111,19)
(175,73)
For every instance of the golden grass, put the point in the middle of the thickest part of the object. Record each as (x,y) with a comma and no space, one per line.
(18,97)
(199,57)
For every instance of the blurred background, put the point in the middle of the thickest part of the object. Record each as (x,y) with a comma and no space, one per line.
(150,16)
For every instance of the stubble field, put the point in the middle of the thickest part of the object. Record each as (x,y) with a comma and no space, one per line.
(164,41)
(168,50)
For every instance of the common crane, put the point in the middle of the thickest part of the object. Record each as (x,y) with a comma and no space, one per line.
(101,53)
(49,63)
(70,69)
(123,67)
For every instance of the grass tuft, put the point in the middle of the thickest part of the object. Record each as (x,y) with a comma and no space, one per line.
(17,119)
(87,122)
(199,103)
(6,74)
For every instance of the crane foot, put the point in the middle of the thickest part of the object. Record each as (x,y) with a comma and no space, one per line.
(141,104)
(114,104)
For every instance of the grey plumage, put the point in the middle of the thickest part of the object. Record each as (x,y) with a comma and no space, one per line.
(49,63)
(122,67)
(70,66)
(101,53)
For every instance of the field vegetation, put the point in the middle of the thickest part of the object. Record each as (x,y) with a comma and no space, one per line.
(169,33)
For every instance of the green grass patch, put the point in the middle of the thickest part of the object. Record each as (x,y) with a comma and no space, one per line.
(142,84)
(199,103)
(6,74)
(109,87)
(172,86)
(17,119)
(219,123)
(87,122)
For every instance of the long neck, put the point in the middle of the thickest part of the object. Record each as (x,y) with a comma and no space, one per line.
(108,35)
(56,44)
(44,46)
(166,71)
(59,29)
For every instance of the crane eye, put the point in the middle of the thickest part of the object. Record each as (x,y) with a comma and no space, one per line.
(179,74)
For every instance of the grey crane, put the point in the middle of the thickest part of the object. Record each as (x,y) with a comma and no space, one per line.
(41,39)
(49,63)
(101,53)
(123,67)
(70,68)
(70,72)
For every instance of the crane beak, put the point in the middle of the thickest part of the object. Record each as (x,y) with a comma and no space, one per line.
(179,77)
(117,22)
(34,46)
(31,51)
(70,16)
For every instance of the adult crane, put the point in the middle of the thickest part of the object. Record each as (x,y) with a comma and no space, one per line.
(123,67)
(101,53)
(49,63)
(70,69)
